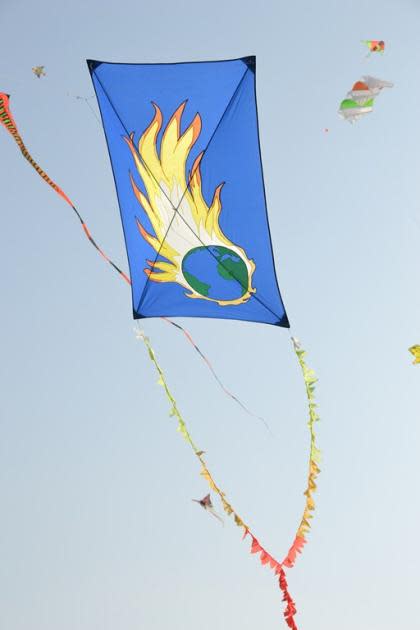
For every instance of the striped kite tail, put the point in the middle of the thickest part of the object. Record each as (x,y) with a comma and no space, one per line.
(6,119)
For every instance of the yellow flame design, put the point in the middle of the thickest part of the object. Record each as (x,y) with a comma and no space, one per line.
(195,224)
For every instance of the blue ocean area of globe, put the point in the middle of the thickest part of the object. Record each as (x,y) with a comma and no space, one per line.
(216,272)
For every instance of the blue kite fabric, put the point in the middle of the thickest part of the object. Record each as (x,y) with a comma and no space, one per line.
(184,147)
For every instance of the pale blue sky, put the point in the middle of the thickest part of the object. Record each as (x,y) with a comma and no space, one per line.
(98,530)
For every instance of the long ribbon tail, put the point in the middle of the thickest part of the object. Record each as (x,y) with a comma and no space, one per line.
(214,373)
(256,547)
(314,459)
(7,120)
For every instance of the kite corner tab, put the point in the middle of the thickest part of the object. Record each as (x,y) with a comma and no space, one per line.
(250,62)
(93,64)
(284,322)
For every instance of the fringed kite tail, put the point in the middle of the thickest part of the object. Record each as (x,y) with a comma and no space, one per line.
(256,548)
(290,612)
(314,459)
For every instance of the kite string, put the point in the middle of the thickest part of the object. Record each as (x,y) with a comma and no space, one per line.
(83,98)
(256,547)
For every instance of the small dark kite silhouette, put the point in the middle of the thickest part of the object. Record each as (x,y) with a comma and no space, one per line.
(207,505)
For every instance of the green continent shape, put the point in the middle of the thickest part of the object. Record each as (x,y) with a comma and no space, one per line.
(231,270)
(196,284)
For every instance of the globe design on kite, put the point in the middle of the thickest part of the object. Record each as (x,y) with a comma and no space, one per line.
(216,272)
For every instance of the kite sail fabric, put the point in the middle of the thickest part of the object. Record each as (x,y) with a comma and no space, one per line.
(184,147)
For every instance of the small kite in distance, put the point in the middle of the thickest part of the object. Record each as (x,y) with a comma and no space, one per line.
(39,71)
(360,98)
(415,351)
(206,504)
(374,45)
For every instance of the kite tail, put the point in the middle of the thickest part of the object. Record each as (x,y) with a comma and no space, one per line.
(290,611)
(101,252)
(7,120)
(314,459)
(256,548)
(213,371)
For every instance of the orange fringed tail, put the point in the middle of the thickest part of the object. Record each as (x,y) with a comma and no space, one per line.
(314,458)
